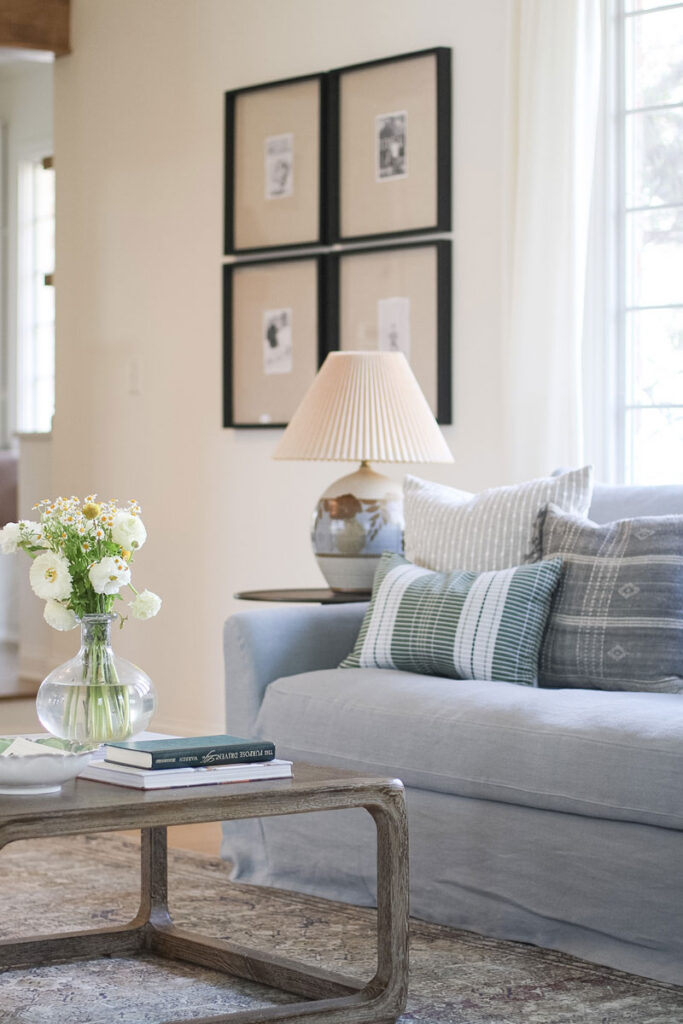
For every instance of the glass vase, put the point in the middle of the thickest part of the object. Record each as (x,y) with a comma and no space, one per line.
(97,696)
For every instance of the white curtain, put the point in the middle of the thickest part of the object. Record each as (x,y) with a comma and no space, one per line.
(555,72)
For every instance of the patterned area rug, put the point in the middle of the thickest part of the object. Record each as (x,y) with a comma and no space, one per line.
(456,977)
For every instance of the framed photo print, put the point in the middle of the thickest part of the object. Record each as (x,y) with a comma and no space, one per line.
(391,159)
(397,299)
(271,338)
(274,165)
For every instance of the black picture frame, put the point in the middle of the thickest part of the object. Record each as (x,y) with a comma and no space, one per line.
(233,98)
(336,157)
(231,338)
(336,300)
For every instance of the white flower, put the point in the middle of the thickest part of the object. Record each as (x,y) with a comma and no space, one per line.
(9,538)
(109,575)
(146,605)
(50,577)
(32,532)
(59,617)
(128,531)
(13,533)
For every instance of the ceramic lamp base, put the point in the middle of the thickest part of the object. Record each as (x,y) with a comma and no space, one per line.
(357,518)
(347,574)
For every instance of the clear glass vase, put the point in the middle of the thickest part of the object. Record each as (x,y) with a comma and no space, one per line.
(96,696)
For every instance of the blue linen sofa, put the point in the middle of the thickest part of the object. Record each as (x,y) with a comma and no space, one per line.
(553,817)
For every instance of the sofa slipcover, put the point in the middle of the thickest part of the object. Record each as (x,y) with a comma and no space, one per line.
(544,816)
(602,754)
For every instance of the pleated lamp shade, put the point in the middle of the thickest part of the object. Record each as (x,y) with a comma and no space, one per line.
(364,406)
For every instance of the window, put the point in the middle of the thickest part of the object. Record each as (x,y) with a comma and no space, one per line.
(35,296)
(650,168)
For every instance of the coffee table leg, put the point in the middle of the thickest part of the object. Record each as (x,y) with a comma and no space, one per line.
(154,878)
(393,896)
(381,1001)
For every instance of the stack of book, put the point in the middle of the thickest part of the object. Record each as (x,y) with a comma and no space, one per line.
(186,761)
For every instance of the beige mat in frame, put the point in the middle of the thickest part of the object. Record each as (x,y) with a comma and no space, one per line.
(288,113)
(392,133)
(271,338)
(405,279)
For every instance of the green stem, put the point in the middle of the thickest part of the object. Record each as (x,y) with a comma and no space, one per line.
(99,709)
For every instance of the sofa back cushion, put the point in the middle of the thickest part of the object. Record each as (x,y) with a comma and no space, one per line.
(463,625)
(617,616)
(448,529)
(625,502)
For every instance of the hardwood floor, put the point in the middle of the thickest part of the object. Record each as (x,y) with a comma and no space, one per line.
(203,838)
(18,715)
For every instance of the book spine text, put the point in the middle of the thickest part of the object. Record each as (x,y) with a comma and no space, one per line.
(201,757)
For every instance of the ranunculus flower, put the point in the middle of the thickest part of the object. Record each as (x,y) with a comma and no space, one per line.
(146,605)
(50,577)
(128,531)
(109,575)
(9,538)
(58,616)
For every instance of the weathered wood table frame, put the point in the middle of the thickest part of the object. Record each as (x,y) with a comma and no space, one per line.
(334,998)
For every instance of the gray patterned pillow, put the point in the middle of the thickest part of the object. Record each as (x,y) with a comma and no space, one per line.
(617,616)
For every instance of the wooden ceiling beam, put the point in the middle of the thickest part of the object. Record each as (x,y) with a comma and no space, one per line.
(35,25)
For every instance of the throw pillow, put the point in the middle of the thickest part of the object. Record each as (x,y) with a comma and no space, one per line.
(617,617)
(448,529)
(463,625)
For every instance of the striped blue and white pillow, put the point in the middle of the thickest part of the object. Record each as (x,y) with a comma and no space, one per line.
(463,625)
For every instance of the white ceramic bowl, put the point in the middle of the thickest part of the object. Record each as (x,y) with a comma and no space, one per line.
(42,773)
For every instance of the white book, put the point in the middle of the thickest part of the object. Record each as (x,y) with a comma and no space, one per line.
(141,778)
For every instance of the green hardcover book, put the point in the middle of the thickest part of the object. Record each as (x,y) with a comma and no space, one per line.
(189,752)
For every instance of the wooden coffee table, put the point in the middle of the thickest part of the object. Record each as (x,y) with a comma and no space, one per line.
(86,807)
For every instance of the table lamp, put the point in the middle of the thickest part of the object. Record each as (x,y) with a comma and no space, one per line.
(361,407)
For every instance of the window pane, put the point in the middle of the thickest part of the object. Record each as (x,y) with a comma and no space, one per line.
(45,403)
(654,58)
(45,192)
(45,246)
(654,258)
(654,357)
(654,152)
(45,351)
(45,303)
(654,446)
(35,300)
(645,5)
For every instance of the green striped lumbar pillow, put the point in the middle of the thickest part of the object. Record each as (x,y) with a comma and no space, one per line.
(464,625)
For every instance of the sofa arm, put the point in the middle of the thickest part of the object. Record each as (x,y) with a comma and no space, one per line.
(260,646)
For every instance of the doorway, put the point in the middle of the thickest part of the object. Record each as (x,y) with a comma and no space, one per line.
(27,314)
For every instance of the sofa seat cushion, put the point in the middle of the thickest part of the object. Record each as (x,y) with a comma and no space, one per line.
(590,752)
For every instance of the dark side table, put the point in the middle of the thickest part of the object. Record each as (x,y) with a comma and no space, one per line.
(303,594)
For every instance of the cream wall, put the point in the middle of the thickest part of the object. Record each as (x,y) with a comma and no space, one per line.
(139,135)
